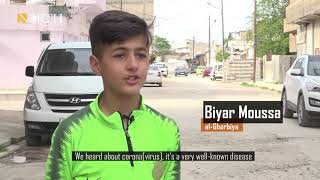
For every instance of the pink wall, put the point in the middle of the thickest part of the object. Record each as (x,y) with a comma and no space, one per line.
(20,44)
(17,51)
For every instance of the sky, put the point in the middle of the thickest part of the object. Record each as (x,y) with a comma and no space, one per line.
(178,20)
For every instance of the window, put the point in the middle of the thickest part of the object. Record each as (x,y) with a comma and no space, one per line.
(314,66)
(298,64)
(44,36)
(66,62)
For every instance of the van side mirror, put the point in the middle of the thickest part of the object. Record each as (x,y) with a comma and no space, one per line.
(29,71)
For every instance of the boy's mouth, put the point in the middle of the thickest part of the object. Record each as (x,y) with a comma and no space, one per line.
(132,80)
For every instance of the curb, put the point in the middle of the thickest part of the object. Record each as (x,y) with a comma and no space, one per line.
(253,85)
(11,145)
(11,149)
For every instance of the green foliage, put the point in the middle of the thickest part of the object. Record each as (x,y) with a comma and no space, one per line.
(152,59)
(270,36)
(160,46)
(219,56)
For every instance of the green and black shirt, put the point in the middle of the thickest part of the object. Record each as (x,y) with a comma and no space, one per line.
(91,130)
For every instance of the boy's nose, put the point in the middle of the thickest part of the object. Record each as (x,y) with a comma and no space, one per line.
(132,62)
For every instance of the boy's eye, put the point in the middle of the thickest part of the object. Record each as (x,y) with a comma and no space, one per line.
(141,55)
(118,56)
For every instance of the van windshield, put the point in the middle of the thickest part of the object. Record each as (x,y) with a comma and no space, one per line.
(66,62)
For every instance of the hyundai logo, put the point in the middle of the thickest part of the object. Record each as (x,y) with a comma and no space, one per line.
(74,100)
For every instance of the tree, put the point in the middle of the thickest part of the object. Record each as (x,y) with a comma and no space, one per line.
(219,56)
(270,36)
(160,47)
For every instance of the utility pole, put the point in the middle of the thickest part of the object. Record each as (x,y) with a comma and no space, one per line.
(120,5)
(193,41)
(209,45)
(254,41)
(144,9)
(222,20)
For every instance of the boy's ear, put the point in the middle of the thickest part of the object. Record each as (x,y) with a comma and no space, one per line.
(95,65)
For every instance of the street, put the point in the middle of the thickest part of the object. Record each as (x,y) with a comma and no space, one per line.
(282,151)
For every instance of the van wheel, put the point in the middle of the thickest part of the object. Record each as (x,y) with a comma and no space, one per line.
(160,84)
(303,119)
(287,113)
(32,140)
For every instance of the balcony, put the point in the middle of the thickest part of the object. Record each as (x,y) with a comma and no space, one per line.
(303,11)
(288,27)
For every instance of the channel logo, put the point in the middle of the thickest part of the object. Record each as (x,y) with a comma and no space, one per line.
(22,18)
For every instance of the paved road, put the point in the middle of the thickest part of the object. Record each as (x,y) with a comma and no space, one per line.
(283,151)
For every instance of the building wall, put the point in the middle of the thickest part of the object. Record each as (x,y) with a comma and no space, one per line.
(317,37)
(141,8)
(20,43)
(292,43)
(301,39)
(14,59)
(309,40)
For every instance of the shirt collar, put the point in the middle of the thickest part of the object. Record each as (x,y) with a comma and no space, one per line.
(114,120)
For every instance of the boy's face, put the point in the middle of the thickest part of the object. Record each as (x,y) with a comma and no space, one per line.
(123,66)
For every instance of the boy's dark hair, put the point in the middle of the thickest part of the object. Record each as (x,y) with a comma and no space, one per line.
(116,26)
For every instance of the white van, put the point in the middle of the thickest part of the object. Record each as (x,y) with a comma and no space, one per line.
(163,68)
(217,71)
(63,83)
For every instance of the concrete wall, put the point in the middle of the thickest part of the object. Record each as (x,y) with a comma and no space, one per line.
(292,42)
(309,40)
(238,70)
(317,36)
(275,70)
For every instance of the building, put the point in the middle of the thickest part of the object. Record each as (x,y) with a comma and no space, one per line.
(31,25)
(238,46)
(302,22)
(141,8)
(189,49)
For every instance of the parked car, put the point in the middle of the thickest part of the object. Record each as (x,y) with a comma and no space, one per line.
(154,75)
(193,68)
(62,84)
(181,71)
(200,70)
(217,72)
(207,71)
(163,68)
(301,91)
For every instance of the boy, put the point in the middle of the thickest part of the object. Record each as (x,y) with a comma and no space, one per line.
(117,120)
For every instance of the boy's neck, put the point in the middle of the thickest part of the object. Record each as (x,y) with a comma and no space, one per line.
(110,103)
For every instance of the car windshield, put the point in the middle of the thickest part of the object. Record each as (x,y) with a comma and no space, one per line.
(153,68)
(65,62)
(314,66)
(179,68)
